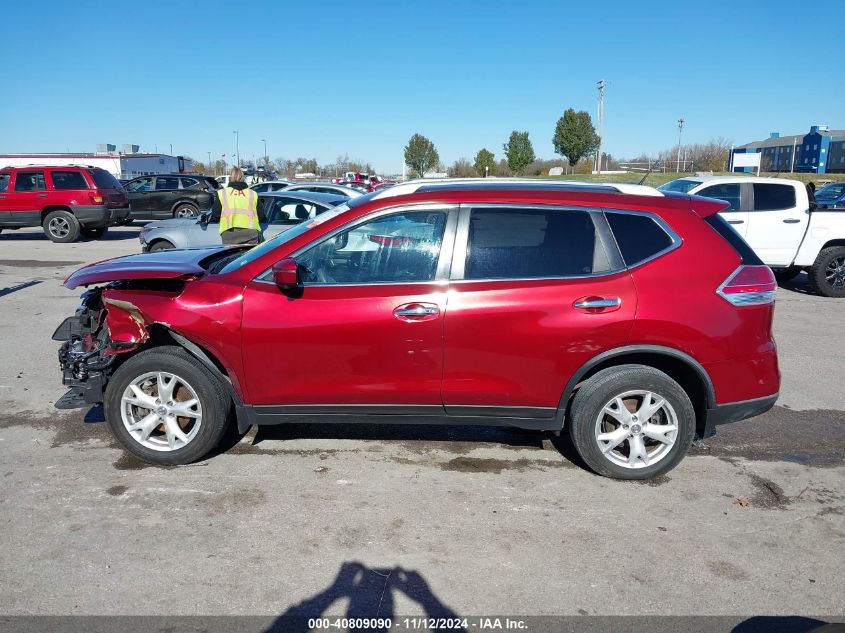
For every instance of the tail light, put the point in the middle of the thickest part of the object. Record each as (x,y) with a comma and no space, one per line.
(96,197)
(749,286)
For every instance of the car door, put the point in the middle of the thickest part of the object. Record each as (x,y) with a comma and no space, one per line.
(6,216)
(737,195)
(26,196)
(365,331)
(163,196)
(139,191)
(535,293)
(776,224)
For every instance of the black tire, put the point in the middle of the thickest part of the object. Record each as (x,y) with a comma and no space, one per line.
(93,233)
(161,245)
(212,395)
(126,222)
(827,274)
(601,389)
(185,210)
(61,227)
(784,275)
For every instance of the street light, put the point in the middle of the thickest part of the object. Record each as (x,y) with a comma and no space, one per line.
(265,151)
(680,131)
(237,147)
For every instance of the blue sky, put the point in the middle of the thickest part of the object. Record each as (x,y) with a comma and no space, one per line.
(322,79)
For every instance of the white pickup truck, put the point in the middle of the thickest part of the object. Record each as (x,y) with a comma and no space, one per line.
(777,219)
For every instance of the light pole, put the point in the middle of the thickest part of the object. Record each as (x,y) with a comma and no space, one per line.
(266,158)
(171,149)
(680,131)
(209,160)
(237,147)
(600,86)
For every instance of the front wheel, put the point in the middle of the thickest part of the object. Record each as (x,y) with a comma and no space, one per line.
(93,233)
(827,274)
(185,211)
(631,422)
(164,407)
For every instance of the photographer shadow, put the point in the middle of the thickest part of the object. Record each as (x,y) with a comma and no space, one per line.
(370,593)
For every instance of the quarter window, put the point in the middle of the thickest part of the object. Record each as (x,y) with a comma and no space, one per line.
(638,236)
(68,180)
(30,181)
(398,248)
(512,243)
(771,197)
(727,192)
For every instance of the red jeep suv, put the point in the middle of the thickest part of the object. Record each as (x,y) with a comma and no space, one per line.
(67,201)
(627,317)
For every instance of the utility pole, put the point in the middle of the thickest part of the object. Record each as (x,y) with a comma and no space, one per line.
(237,147)
(680,132)
(600,118)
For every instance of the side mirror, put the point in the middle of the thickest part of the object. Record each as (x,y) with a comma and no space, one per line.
(205,217)
(286,274)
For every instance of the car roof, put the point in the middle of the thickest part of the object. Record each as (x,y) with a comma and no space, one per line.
(306,196)
(36,166)
(740,178)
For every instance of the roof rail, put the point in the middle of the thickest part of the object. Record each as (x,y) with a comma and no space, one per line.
(413,186)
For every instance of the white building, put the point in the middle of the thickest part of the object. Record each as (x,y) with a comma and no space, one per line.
(121,165)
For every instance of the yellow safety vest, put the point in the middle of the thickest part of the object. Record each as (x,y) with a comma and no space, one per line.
(240,209)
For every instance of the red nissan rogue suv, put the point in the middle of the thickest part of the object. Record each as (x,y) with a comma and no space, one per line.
(629,318)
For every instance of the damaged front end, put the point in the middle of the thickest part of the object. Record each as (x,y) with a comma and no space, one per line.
(86,354)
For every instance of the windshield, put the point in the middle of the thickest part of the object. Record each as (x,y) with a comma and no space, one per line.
(831,191)
(680,186)
(265,247)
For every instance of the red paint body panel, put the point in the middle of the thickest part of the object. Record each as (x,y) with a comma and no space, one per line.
(342,345)
(516,343)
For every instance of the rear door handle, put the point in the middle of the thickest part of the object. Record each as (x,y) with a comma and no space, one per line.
(736,221)
(42,195)
(598,303)
(416,312)
(791,221)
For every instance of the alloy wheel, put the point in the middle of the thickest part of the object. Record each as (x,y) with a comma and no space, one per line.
(834,274)
(161,411)
(59,227)
(636,429)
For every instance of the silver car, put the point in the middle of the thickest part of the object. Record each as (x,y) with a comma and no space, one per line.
(278,211)
(326,187)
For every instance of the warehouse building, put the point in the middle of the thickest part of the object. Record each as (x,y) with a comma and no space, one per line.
(820,151)
(125,164)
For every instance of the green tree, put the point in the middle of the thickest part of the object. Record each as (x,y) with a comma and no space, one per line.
(519,151)
(421,155)
(485,162)
(575,137)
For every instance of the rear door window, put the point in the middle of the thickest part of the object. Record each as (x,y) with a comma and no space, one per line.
(729,192)
(639,237)
(516,243)
(165,183)
(773,197)
(30,181)
(188,183)
(68,180)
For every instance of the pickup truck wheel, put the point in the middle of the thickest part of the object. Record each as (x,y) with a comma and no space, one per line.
(161,245)
(784,275)
(164,407)
(185,211)
(827,274)
(631,422)
(61,227)
(93,234)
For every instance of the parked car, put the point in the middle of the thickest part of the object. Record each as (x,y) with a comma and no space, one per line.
(831,196)
(326,187)
(278,211)
(171,196)
(271,185)
(66,201)
(582,308)
(776,218)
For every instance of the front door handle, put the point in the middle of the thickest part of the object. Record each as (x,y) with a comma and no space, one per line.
(791,221)
(736,221)
(42,195)
(598,303)
(416,312)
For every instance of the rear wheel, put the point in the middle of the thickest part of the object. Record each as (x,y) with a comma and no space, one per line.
(185,211)
(164,407)
(631,422)
(827,274)
(61,226)
(93,233)
(161,245)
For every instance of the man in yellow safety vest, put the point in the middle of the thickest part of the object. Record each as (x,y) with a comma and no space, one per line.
(238,206)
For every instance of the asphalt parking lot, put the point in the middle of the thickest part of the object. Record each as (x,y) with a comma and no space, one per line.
(410,520)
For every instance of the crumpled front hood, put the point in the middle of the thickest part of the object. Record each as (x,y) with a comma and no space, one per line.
(168,264)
